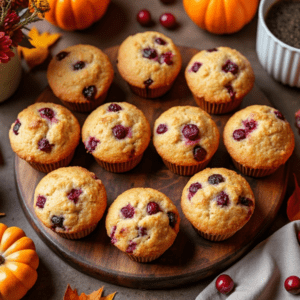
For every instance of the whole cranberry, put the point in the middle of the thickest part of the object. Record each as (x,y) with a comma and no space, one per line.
(292,284)
(222,199)
(231,67)
(17,127)
(224,284)
(120,132)
(168,20)
(44,145)
(153,208)
(144,17)
(61,55)
(199,153)
(79,65)
(239,134)
(89,92)
(196,66)
(190,131)
(113,107)
(162,128)
(128,211)
(40,202)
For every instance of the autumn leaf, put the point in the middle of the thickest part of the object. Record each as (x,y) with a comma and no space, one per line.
(41,42)
(96,295)
(293,204)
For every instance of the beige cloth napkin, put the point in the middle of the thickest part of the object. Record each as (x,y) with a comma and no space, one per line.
(260,275)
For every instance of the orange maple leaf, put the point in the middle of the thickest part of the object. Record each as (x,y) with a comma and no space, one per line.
(293,204)
(96,295)
(41,42)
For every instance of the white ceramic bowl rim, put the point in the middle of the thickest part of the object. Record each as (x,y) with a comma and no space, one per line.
(262,18)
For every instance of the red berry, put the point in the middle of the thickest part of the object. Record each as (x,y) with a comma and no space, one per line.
(167,20)
(292,285)
(144,17)
(224,284)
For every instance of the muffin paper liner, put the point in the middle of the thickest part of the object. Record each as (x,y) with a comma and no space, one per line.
(119,167)
(150,93)
(46,168)
(253,172)
(214,237)
(186,170)
(142,259)
(87,106)
(77,235)
(215,108)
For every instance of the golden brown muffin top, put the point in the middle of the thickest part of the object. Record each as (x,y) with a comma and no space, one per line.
(149,59)
(217,201)
(143,222)
(70,200)
(80,73)
(44,133)
(259,137)
(219,75)
(181,130)
(116,132)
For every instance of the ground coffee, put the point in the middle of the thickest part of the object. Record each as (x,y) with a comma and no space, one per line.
(283,20)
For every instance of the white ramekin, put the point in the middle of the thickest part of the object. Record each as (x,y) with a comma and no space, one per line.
(279,59)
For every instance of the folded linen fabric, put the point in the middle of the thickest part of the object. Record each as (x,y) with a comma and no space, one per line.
(261,274)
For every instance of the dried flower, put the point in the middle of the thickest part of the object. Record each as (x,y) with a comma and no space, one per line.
(5,50)
(18,3)
(10,20)
(41,6)
(14,16)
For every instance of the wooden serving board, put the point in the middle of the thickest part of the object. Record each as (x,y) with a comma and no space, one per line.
(191,257)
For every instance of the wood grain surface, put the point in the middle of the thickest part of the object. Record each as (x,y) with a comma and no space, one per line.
(191,257)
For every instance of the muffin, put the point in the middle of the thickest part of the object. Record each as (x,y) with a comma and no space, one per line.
(143,223)
(45,135)
(259,140)
(219,78)
(116,134)
(149,62)
(80,77)
(218,202)
(70,201)
(186,138)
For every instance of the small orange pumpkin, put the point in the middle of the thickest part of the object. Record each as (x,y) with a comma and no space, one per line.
(221,16)
(18,263)
(75,14)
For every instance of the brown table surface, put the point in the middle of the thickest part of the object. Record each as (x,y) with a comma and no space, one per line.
(120,21)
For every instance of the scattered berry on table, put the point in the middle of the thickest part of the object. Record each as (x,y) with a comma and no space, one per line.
(224,284)
(168,20)
(292,284)
(144,17)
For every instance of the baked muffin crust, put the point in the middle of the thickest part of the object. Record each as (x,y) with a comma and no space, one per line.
(102,125)
(36,125)
(139,227)
(217,202)
(268,139)
(73,196)
(78,68)
(173,146)
(149,56)
(219,75)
